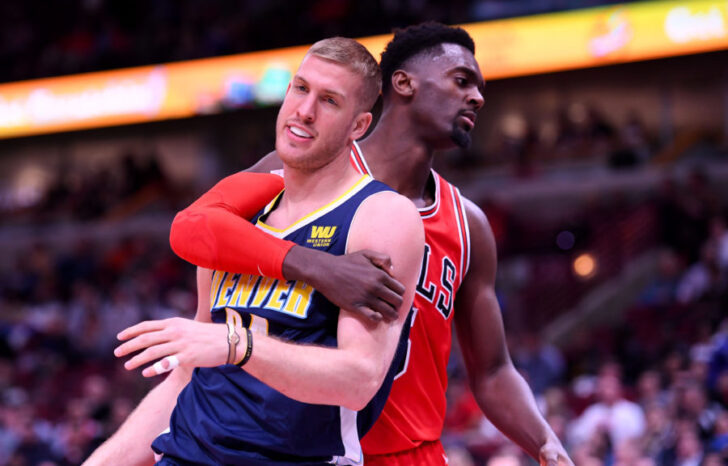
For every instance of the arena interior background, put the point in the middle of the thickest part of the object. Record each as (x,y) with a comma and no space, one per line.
(599,158)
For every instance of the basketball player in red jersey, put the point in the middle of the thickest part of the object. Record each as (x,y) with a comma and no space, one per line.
(431,94)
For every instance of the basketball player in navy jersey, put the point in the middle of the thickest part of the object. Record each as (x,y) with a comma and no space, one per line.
(282,375)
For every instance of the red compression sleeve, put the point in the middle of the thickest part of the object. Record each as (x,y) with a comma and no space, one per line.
(215,232)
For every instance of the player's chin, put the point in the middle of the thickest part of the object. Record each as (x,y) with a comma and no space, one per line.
(460,137)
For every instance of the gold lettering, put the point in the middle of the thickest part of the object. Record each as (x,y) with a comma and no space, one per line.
(322,232)
(299,299)
(245,286)
(275,303)
(227,283)
(264,287)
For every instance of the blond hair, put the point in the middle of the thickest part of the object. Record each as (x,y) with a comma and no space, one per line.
(357,59)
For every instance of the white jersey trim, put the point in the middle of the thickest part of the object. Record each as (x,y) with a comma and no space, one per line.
(364,168)
(435,206)
(353,454)
(460,230)
(316,214)
(466,227)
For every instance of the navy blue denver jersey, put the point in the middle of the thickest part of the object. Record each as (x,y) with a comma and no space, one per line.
(225,415)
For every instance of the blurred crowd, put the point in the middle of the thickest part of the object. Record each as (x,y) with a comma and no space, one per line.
(61,391)
(649,390)
(129,183)
(40,39)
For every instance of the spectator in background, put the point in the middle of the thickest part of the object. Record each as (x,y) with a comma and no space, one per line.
(694,407)
(702,278)
(718,442)
(688,449)
(719,238)
(662,289)
(542,363)
(612,415)
(659,435)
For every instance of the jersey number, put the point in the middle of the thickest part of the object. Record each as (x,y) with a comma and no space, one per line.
(427,289)
(256,324)
(405,362)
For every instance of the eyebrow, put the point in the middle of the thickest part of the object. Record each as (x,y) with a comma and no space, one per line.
(327,91)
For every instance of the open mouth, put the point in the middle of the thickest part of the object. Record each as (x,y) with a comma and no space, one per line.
(300,132)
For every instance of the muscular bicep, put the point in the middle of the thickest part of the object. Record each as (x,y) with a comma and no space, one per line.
(389,223)
(478,318)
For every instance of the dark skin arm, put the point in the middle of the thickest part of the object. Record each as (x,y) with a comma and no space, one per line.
(359,282)
(501,392)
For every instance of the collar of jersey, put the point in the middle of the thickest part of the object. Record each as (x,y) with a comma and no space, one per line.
(280,233)
(360,162)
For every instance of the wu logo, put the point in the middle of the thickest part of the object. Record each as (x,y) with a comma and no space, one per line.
(322,232)
(321,237)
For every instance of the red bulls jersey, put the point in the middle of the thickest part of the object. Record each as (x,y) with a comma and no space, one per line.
(415,410)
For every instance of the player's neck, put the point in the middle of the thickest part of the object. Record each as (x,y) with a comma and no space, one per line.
(398,158)
(307,191)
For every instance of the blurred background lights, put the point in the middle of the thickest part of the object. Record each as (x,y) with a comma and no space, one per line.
(585,265)
(565,240)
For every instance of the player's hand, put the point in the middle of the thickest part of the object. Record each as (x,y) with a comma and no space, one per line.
(552,453)
(173,342)
(359,282)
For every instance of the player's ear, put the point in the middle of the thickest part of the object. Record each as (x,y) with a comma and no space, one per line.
(361,124)
(402,83)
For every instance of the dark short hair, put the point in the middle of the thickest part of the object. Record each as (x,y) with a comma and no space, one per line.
(416,39)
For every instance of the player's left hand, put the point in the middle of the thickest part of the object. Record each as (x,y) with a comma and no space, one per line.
(552,453)
(172,342)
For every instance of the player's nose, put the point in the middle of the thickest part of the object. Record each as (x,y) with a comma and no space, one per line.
(476,99)
(306,110)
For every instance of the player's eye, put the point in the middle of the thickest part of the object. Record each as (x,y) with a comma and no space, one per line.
(331,101)
(460,81)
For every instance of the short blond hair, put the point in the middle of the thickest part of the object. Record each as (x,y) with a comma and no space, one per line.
(357,59)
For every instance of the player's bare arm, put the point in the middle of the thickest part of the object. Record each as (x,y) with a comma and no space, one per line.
(214,233)
(348,375)
(131,443)
(501,392)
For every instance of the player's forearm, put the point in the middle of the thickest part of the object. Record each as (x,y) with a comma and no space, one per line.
(507,400)
(318,375)
(214,232)
(131,444)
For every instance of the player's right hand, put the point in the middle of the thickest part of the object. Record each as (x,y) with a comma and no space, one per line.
(359,282)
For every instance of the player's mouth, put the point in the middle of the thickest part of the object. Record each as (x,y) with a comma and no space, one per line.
(298,132)
(469,117)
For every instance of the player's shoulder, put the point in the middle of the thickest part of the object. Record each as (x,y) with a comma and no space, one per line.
(389,203)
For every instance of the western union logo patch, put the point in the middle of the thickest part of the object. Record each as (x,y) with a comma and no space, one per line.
(322,232)
(321,236)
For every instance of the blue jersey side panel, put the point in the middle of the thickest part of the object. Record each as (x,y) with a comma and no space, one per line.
(226,416)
